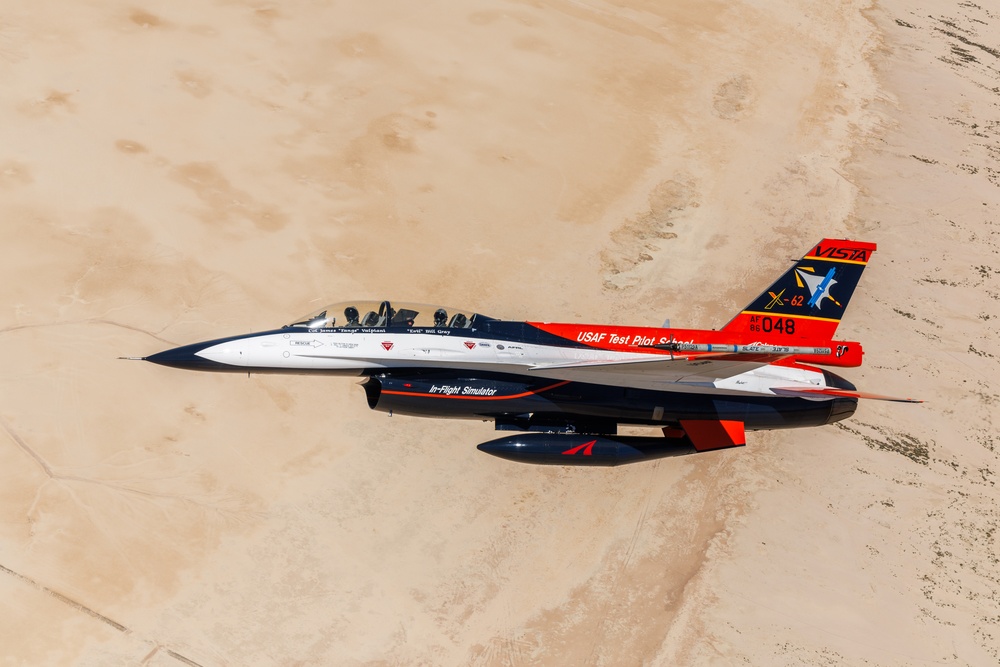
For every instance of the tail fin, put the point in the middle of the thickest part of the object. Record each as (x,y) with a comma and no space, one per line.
(808,301)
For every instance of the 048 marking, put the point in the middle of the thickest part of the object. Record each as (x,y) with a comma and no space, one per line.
(765,324)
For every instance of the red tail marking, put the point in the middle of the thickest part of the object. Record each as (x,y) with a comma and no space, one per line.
(587,447)
(843,250)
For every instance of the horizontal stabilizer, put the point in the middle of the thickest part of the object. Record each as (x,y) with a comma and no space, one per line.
(819,393)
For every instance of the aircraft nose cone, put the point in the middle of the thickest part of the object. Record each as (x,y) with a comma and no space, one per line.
(186,357)
(503,448)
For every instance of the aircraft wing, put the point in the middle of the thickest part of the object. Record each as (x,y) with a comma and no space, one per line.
(664,362)
(701,369)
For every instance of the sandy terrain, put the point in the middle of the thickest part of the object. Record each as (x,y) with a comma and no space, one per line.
(174,172)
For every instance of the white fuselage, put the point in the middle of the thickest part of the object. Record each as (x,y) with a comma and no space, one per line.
(368,352)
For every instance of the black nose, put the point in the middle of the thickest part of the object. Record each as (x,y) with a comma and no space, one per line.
(187,357)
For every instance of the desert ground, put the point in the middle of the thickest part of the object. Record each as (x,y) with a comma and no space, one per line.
(174,172)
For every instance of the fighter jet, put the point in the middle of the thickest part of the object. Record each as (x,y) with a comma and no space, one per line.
(564,388)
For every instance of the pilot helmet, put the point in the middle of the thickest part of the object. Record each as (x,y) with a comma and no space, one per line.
(440,315)
(351,313)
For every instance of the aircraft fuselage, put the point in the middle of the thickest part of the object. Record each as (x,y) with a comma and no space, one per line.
(513,373)
(703,388)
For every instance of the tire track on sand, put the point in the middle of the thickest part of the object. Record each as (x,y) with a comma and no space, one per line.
(599,635)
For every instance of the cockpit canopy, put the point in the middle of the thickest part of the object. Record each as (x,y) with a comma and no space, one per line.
(379,314)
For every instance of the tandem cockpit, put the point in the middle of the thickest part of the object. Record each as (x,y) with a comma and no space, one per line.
(384,314)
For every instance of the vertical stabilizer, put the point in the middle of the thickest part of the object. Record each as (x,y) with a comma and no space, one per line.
(808,301)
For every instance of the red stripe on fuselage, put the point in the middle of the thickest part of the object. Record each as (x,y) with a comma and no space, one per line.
(628,339)
(641,340)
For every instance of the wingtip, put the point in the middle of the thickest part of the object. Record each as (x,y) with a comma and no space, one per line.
(893,399)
